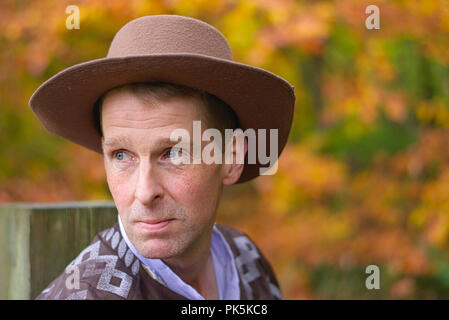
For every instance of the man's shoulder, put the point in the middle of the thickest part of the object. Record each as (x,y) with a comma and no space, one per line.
(239,241)
(255,272)
(106,269)
(228,231)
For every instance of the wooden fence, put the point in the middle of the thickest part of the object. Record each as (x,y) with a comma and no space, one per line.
(37,241)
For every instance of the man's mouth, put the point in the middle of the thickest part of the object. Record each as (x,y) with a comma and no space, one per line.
(154,225)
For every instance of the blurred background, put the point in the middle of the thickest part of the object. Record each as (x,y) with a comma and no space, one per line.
(364,178)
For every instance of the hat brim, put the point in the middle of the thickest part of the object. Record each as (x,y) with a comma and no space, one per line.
(261,100)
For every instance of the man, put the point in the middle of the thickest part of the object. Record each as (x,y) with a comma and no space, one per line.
(162,74)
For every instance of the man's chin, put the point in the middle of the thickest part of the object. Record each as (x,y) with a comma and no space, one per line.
(157,249)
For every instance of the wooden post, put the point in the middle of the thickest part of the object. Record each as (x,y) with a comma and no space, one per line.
(37,241)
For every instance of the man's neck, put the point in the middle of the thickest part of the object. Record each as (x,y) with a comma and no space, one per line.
(199,273)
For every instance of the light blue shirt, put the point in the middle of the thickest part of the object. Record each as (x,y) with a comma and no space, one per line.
(224,266)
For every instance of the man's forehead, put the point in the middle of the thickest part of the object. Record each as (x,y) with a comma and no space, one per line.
(125,97)
(125,105)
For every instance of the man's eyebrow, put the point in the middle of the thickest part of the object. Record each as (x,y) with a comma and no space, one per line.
(164,142)
(125,141)
(116,141)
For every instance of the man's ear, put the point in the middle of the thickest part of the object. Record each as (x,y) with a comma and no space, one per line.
(235,151)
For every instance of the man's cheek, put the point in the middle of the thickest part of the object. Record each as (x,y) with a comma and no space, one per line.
(182,185)
(186,186)
(120,189)
(191,189)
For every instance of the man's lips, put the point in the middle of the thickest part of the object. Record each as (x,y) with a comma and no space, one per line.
(154,225)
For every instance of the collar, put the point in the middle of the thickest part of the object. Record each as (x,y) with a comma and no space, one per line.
(223,261)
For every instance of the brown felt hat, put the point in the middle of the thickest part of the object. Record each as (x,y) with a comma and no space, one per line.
(167,48)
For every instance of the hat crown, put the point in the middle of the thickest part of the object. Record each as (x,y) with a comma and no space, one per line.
(162,34)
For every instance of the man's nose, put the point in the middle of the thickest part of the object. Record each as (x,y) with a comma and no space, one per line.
(148,188)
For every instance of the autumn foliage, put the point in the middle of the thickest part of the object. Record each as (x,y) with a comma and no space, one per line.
(364,178)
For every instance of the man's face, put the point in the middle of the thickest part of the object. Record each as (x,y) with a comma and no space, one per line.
(167,209)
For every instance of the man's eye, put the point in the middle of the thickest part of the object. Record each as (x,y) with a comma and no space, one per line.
(121,156)
(172,153)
